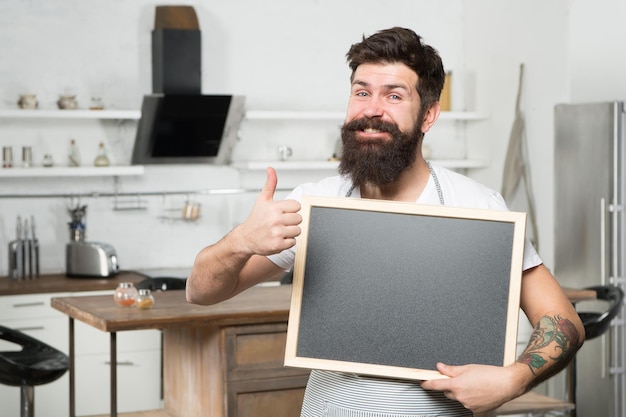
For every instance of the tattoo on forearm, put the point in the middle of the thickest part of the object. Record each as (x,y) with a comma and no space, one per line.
(554,340)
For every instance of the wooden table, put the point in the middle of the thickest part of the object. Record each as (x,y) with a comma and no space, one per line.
(222,360)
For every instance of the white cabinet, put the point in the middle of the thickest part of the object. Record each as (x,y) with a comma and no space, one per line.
(138,356)
(138,379)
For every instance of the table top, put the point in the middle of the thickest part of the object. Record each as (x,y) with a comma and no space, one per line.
(171,309)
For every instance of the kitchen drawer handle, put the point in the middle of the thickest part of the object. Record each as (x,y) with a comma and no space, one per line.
(27,328)
(33,304)
(123,363)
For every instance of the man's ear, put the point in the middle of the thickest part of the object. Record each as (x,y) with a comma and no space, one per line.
(432,114)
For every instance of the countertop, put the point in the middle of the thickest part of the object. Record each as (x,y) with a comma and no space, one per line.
(54,283)
(59,283)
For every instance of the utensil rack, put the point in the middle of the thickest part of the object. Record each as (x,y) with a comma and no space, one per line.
(97,194)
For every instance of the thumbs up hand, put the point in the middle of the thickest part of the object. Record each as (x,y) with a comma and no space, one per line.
(272,226)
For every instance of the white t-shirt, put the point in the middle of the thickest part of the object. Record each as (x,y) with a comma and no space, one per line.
(337,394)
(457,191)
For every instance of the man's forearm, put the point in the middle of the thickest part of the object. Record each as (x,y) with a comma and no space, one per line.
(214,274)
(553,343)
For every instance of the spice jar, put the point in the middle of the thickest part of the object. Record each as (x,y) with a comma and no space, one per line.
(125,294)
(145,300)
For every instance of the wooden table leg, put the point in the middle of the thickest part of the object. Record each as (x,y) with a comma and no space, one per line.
(72,371)
(113,354)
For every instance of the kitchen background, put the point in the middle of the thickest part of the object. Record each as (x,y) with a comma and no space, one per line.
(282,55)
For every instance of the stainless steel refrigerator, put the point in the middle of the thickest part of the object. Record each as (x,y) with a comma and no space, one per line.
(589,241)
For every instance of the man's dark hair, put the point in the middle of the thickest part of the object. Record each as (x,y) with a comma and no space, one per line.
(405,46)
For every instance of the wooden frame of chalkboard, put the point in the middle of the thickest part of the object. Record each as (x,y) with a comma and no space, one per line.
(390,288)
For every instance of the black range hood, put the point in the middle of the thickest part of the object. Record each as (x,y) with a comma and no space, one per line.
(179,129)
(178,124)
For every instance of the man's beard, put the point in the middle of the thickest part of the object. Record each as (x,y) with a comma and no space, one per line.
(377,161)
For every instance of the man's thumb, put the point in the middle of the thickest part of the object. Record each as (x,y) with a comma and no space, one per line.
(447,370)
(267,193)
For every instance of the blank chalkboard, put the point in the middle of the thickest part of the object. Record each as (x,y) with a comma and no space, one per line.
(390,289)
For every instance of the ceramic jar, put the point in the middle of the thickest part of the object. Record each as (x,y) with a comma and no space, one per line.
(67,102)
(28,101)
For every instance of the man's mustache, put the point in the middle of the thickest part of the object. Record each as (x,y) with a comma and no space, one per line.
(376,124)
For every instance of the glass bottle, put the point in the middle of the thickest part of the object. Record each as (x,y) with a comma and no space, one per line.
(102,160)
(48,161)
(145,299)
(7,157)
(96,104)
(125,294)
(73,156)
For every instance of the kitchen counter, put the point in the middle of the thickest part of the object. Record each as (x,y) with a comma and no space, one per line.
(61,283)
(54,283)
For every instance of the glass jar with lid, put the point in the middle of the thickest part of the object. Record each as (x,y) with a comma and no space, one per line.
(145,299)
(125,294)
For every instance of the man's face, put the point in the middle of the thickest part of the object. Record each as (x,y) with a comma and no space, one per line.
(381,132)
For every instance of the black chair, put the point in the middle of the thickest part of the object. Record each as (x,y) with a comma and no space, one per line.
(35,364)
(597,323)
(162,284)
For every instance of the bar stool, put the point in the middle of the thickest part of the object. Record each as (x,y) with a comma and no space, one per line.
(35,364)
(597,323)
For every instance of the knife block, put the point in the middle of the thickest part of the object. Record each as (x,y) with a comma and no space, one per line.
(24,259)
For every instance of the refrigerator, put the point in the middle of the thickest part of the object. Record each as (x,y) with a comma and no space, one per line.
(589,238)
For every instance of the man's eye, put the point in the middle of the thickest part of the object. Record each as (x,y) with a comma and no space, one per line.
(394,97)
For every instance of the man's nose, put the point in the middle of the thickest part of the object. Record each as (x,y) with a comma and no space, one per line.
(374,108)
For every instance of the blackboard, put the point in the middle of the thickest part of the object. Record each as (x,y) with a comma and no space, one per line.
(390,289)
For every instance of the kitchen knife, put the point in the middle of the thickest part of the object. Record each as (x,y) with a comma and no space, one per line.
(19,250)
(28,259)
(34,245)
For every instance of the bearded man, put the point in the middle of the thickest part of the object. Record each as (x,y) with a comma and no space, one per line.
(396,82)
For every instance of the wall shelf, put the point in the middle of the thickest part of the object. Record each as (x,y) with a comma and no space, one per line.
(250,115)
(340,115)
(293,115)
(70,114)
(332,165)
(111,171)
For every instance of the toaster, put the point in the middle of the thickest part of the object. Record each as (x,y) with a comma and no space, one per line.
(90,260)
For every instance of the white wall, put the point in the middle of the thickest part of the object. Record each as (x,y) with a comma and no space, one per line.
(596,50)
(282,55)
